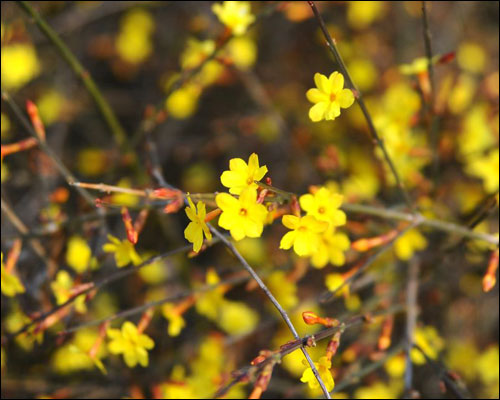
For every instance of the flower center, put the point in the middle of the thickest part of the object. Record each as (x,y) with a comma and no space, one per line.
(332,97)
(243,212)
(249,180)
(302,228)
(321,210)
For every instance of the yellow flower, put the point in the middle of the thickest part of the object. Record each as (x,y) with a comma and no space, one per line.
(328,97)
(197,227)
(426,338)
(197,52)
(209,302)
(236,15)
(78,254)
(183,102)
(331,249)
(283,289)
(242,175)
(409,243)
(133,43)
(242,51)
(324,205)
(175,321)
(11,285)
(361,14)
(243,216)
(131,343)
(486,168)
(123,250)
(19,65)
(62,286)
(304,236)
(323,366)
(236,318)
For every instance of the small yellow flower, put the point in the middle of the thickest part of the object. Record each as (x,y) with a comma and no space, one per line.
(242,175)
(304,236)
(11,285)
(323,366)
(197,227)
(331,249)
(243,217)
(183,102)
(61,287)
(236,15)
(328,97)
(131,343)
(19,65)
(175,321)
(123,250)
(409,243)
(486,168)
(78,254)
(324,205)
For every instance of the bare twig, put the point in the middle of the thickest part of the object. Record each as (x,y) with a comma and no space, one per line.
(373,131)
(102,104)
(411,321)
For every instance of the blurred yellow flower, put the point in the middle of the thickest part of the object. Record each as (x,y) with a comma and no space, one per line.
(19,65)
(328,97)
(304,236)
(91,161)
(11,285)
(175,320)
(242,175)
(323,366)
(236,318)
(324,205)
(243,217)
(471,57)
(283,289)
(361,14)
(236,15)
(195,54)
(78,254)
(242,51)
(485,167)
(426,338)
(410,242)
(197,228)
(124,199)
(124,251)
(131,343)
(133,42)
(183,102)
(50,106)
(61,287)
(331,249)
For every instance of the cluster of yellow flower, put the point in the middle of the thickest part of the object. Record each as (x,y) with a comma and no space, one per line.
(239,50)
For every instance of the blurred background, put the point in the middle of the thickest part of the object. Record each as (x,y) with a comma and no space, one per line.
(155,64)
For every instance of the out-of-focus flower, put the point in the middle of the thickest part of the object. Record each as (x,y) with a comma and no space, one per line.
(242,175)
(236,15)
(242,51)
(304,236)
(471,57)
(197,228)
(11,285)
(123,251)
(410,242)
(328,97)
(243,217)
(283,289)
(331,249)
(91,161)
(426,338)
(486,168)
(133,42)
(19,65)
(61,287)
(361,14)
(175,320)
(131,343)
(195,54)
(78,254)
(236,318)
(323,366)
(183,102)
(50,106)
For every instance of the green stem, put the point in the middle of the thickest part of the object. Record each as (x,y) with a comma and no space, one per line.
(107,113)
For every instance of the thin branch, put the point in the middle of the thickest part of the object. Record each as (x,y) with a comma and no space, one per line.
(102,104)
(373,131)
(411,322)
(65,172)
(90,286)
(275,302)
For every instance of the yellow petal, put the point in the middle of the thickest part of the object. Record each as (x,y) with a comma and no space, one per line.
(336,81)
(237,164)
(226,202)
(317,112)
(290,221)
(321,82)
(306,201)
(345,98)
(316,96)
(287,240)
